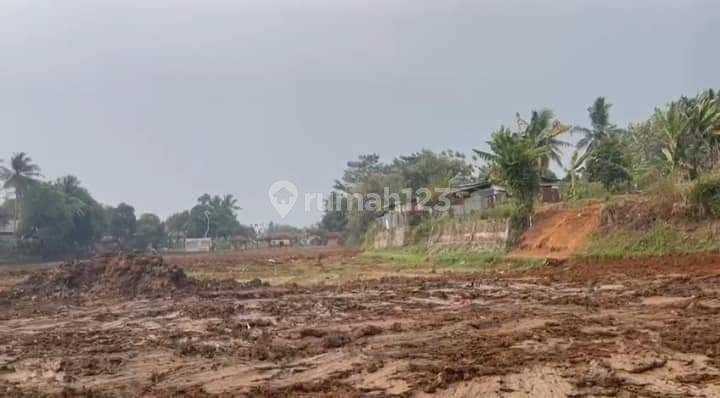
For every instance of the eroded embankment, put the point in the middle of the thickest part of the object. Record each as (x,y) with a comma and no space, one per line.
(559,232)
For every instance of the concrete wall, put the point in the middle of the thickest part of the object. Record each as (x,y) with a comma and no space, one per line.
(393,237)
(482,235)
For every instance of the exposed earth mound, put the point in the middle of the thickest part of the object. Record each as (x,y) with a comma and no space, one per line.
(559,233)
(125,276)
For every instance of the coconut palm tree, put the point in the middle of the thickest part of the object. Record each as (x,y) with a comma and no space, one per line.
(515,162)
(229,202)
(543,130)
(601,127)
(21,173)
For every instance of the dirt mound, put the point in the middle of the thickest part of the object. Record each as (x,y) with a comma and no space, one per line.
(559,233)
(125,276)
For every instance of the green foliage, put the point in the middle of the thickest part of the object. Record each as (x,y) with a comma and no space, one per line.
(519,223)
(660,240)
(367,177)
(22,171)
(704,196)
(452,260)
(215,217)
(121,222)
(428,169)
(609,164)
(178,224)
(687,133)
(501,211)
(89,221)
(601,127)
(335,218)
(47,217)
(149,232)
(421,232)
(514,159)
(583,190)
(543,130)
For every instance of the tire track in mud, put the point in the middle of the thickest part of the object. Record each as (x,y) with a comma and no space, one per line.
(643,327)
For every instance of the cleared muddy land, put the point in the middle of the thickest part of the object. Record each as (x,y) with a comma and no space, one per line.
(335,323)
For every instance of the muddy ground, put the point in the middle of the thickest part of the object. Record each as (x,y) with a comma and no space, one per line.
(632,328)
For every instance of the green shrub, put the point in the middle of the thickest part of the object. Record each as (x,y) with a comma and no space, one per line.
(502,211)
(704,196)
(519,223)
(583,190)
(421,232)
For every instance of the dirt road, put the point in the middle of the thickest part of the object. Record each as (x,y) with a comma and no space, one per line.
(637,328)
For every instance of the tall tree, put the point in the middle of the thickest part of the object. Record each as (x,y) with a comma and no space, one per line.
(178,224)
(544,131)
(609,163)
(149,232)
(47,217)
(514,161)
(215,217)
(573,171)
(88,215)
(122,223)
(21,173)
(601,127)
(673,125)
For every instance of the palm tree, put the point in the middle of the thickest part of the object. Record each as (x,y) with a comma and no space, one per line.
(673,125)
(573,170)
(543,130)
(204,199)
(515,162)
(21,173)
(703,113)
(601,128)
(229,202)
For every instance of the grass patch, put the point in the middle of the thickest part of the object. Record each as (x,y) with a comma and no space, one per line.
(399,256)
(660,240)
(453,260)
(20,259)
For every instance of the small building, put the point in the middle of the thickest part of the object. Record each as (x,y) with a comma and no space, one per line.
(8,238)
(549,190)
(313,240)
(401,215)
(468,198)
(332,239)
(282,239)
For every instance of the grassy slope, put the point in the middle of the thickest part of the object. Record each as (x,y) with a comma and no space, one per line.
(654,225)
(447,260)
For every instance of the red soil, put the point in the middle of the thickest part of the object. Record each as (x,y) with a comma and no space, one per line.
(559,233)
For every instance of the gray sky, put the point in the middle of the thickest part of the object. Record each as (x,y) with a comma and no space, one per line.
(154,102)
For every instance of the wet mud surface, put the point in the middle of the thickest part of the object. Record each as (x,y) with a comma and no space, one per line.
(646,327)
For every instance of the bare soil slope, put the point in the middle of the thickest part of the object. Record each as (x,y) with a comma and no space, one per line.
(559,233)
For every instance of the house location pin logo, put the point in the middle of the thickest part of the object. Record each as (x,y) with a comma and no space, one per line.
(283,195)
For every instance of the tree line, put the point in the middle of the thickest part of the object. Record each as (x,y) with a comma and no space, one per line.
(61,218)
(678,144)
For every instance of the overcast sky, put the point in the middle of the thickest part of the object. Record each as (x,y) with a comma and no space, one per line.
(155,102)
